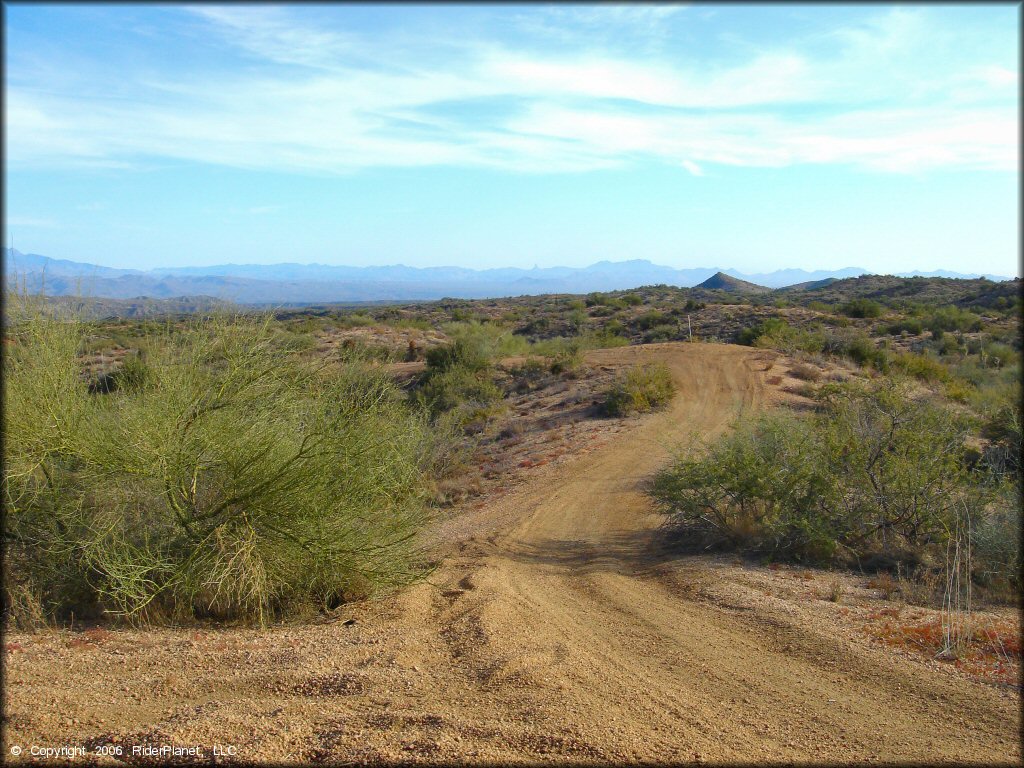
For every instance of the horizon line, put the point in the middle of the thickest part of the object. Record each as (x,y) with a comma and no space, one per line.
(13,251)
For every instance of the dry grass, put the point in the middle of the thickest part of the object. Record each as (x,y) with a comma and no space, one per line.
(886,584)
(835,591)
(805,372)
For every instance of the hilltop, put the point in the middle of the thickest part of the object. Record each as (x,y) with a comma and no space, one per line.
(723,282)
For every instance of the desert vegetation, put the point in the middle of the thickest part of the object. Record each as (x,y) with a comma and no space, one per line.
(878,476)
(131,499)
(640,389)
(213,474)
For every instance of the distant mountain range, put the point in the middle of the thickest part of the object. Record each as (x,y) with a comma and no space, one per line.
(321,283)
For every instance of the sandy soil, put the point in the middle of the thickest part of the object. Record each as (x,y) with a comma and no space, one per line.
(555,629)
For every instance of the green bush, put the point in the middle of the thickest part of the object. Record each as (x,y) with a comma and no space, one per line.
(459,383)
(471,392)
(861,308)
(911,325)
(995,542)
(776,333)
(613,328)
(224,479)
(651,319)
(663,332)
(998,355)
(755,490)
(873,471)
(773,325)
(921,367)
(640,389)
(487,341)
(355,320)
(858,347)
(953,319)
(609,336)
(470,354)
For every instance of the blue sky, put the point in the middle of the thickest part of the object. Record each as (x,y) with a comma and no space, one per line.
(750,137)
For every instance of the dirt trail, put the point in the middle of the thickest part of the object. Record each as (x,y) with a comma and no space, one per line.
(559,630)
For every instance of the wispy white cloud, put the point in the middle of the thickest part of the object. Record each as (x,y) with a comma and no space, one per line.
(328,101)
(693,168)
(31,222)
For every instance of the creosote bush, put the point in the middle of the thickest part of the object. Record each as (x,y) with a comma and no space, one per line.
(223,477)
(640,389)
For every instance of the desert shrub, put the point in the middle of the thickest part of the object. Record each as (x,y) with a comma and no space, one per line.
(613,328)
(649,320)
(410,322)
(995,542)
(776,333)
(535,327)
(355,320)
(560,347)
(351,348)
(470,354)
(950,344)
(958,390)
(920,366)
(577,319)
(747,336)
(633,299)
(856,346)
(999,405)
(863,351)
(753,490)
(950,318)
(640,389)
(231,480)
(470,391)
(531,375)
(663,332)
(459,380)
(874,470)
(609,336)
(861,308)
(997,355)
(566,355)
(806,372)
(910,325)
(488,340)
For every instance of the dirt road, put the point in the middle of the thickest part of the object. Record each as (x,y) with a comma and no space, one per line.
(555,629)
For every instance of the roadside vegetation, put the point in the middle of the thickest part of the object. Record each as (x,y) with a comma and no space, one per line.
(640,389)
(214,474)
(879,476)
